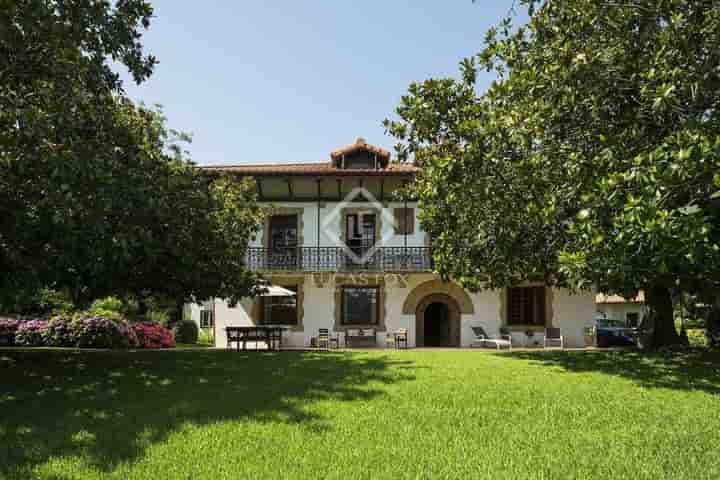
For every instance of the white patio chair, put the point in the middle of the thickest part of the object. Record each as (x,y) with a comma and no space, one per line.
(482,338)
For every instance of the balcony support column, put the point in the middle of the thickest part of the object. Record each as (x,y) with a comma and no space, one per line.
(318,215)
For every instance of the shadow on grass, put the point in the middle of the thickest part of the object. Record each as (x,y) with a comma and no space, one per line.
(694,369)
(109,406)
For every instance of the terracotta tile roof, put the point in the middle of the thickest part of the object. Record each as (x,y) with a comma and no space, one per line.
(313,169)
(360,145)
(607,299)
(329,168)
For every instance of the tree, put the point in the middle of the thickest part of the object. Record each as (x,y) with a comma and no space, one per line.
(96,196)
(592,160)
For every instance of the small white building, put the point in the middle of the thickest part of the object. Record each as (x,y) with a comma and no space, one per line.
(617,308)
(357,258)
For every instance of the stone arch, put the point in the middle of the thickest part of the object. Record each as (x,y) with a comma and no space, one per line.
(453,309)
(452,290)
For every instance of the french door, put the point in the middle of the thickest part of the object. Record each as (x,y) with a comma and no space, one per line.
(283,242)
(361,236)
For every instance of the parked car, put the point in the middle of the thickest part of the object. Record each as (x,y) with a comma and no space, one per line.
(612,333)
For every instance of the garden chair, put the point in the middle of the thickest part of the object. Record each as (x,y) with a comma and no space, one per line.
(553,335)
(325,340)
(482,338)
(401,338)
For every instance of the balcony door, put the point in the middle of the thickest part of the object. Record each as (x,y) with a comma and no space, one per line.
(283,242)
(361,235)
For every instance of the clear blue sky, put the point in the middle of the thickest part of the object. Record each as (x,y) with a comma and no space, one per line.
(281,81)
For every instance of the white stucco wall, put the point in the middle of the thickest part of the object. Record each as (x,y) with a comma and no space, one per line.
(619,311)
(571,312)
(331,223)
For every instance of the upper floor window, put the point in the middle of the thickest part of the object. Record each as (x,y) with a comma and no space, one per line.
(526,306)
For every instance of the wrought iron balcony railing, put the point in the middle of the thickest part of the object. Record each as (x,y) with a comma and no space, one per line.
(339,259)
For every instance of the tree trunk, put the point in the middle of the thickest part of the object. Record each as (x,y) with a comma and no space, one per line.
(659,301)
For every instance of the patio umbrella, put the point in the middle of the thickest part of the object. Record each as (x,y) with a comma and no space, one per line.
(275,291)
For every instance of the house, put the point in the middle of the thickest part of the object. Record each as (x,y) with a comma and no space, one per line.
(356,257)
(615,307)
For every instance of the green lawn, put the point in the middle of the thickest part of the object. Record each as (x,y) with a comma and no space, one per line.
(192,414)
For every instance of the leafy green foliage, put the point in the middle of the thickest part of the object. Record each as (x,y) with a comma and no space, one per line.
(592,160)
(205,337)
(97,196)
(185,332)
(111,304)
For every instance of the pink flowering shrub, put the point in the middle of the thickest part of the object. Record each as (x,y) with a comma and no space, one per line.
(152,335)
(31,333)
(8,327)
(60,332)
(101,332)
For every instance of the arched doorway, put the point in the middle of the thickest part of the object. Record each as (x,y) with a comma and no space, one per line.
(437,325)
(437,322)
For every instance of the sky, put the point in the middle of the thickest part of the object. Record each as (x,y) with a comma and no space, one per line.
(285,81)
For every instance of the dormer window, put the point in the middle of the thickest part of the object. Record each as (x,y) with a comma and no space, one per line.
(359,160)
(360,156)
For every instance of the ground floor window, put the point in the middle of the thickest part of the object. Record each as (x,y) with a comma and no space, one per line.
(206,318)
(360,305)
(526,306)
(280,310)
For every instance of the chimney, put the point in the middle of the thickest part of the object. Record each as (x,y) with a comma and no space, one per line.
(360,141)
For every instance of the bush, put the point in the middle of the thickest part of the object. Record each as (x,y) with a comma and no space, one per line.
(8,327)
(31,333)
(102,332)
(206,337)
(110,304)
(111,308)
(152,335)
(185,331)
(158,316)
(61,332)
(54,302)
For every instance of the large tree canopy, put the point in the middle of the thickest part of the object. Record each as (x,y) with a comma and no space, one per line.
(95,196)
(592,160)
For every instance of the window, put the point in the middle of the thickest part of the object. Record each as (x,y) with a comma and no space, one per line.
(632,319)
(404,221)
(360,160)
(526,306)
(280,310)
(206,318)
(360,230)
(359,305)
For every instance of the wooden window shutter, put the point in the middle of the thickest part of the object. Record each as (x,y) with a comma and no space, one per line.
(526,306)
(516,306)
(539,317)
(404,221)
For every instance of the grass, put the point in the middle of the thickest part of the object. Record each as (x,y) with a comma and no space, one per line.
(68,414)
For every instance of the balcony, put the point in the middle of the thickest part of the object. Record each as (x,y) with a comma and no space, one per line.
(339,259)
